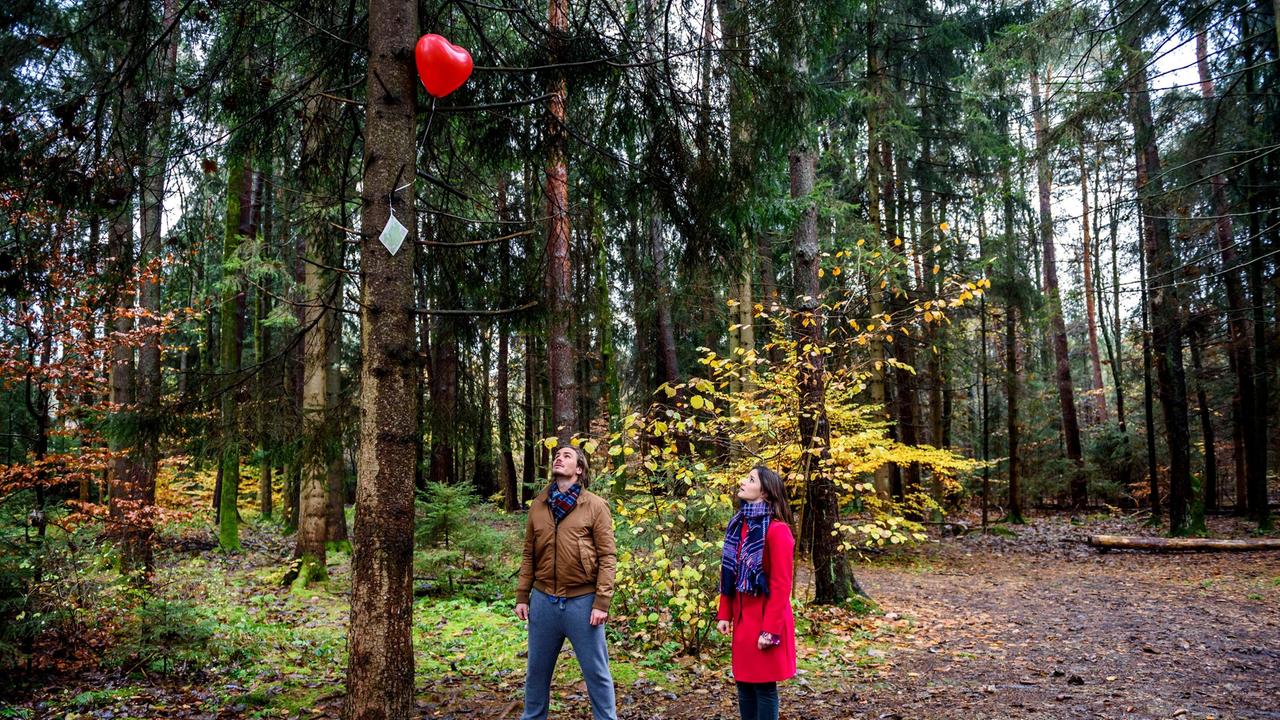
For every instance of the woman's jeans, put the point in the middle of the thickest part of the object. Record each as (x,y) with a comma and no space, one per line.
(551,620)
(758,701)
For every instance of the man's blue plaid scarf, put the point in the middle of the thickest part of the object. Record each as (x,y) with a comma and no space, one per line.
(744,571)
(563,502)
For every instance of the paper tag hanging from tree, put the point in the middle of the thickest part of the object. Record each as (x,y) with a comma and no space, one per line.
(393,234)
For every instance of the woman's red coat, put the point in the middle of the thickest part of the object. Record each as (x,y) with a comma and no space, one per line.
(752,614)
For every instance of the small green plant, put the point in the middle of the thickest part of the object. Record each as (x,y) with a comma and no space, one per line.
(442,511)
(465,547)
(165,636)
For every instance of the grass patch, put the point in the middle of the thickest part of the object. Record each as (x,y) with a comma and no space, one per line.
(461,636)
(98,698)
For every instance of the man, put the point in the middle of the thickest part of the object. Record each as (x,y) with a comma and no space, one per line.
(566,583)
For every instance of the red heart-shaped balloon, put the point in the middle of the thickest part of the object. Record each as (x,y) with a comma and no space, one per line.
(442,66)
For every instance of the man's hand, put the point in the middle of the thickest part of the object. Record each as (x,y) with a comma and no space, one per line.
(522,611)
(598,616)
(723,627)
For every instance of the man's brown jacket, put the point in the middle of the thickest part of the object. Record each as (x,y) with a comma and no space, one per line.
(573,558)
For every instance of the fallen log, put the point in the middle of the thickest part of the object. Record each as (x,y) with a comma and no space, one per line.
(1163,544)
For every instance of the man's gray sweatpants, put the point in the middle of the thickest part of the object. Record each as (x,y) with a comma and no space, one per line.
(551,620)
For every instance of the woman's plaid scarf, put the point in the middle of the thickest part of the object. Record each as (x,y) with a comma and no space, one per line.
(743,570)
(562,503)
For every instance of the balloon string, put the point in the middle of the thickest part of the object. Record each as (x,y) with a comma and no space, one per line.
(426,132)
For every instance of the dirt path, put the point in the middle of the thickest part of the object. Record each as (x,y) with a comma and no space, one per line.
(1064,632)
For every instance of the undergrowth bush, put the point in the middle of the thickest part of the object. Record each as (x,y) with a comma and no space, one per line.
(166,636)
(52,588)
(676,470)
(464,547)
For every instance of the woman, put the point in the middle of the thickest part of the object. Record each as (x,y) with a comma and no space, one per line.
(755,593)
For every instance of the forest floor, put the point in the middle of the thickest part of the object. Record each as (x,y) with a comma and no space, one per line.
(1027,623)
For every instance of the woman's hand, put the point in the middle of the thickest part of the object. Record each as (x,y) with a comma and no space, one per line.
(767,641)
(723,627)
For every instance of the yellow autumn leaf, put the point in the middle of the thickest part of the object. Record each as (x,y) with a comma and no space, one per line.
(944,227)
(696,401)
(835,270)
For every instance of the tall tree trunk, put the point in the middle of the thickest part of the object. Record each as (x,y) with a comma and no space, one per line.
(769,297)
(558,288)
(444,396)
(336,472)
(1097,398)
(1241,353)
(529,459)
(380,650)
(1256,411)
(669,364)
(1115,346)
(1256,430)
(875,289)
(1011,382)
(986,434)
(262,382)
(295,377)
(735,18)
(507,462)
(930,238)
(510,489)
(240,223)
(319,430)
(833,580)
(1148,402)
(485,477)
(1166,322)
(612,390)
(126,467)
(149,370)
(1066,390)
(1209,482)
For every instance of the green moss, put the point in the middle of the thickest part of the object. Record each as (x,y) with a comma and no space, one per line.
(1001,531)
(310,570)
(99,698)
